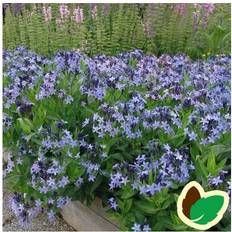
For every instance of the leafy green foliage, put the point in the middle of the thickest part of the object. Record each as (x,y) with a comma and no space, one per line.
(155,28)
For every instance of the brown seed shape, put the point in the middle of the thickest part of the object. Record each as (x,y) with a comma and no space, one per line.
(191,197)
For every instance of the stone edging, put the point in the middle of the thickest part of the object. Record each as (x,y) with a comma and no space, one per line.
(83,218)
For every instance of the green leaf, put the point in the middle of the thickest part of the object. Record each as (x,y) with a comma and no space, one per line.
(128,218)
(218,149)
(194,151)
(185,119)
(200,165)
(221,165)
(127,205)
(205,210)
(127,192)
(25,124)
(115,156)
(138,215)
(17,183)
(11,181)
(96,183)
(74,171)
(28,137)
(22,185)
(177,140)
(39,116)
(168,202)
(146,206)
(211,163)
(25,167)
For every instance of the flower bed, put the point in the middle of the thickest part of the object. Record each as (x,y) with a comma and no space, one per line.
(132,129)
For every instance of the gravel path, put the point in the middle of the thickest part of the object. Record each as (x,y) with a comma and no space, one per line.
(39,224)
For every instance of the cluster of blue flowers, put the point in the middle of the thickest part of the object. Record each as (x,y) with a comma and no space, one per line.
(172,166)
(111,123)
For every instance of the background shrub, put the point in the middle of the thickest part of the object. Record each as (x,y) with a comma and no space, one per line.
(195,29)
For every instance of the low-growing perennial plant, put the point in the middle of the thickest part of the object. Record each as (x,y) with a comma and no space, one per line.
(132,129)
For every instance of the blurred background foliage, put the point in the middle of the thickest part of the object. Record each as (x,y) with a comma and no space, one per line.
(198,30)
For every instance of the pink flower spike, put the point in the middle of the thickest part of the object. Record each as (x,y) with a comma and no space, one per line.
(78,15)
(47,12)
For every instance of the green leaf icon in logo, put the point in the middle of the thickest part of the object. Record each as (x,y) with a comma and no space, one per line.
(199,209)
(205,210)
